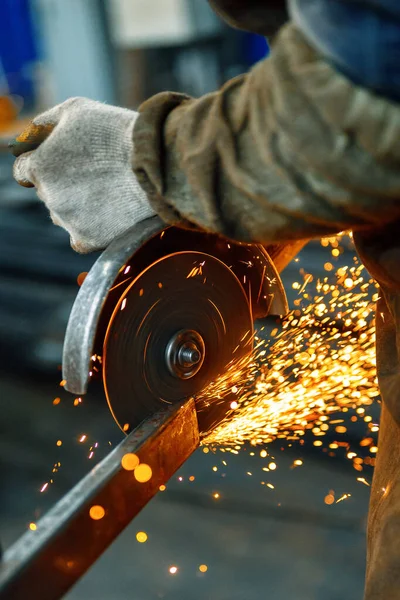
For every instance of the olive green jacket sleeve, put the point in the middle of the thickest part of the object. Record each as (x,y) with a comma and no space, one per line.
(278,154)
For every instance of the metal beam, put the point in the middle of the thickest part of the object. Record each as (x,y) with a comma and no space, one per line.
(47,562)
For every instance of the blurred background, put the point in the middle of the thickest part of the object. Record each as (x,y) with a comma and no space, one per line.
(289,543)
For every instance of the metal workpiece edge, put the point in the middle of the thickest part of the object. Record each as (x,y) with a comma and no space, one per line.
(82,324)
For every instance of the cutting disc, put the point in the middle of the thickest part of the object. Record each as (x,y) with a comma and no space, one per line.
(177,326)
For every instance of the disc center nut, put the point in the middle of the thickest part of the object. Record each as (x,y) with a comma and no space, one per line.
(185,354)
(189,355)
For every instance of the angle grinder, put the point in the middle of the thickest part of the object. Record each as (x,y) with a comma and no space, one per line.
(163,313)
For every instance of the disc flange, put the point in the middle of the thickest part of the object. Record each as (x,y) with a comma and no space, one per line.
(177,326)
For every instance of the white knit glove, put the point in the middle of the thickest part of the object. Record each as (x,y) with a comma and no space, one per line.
(83,171)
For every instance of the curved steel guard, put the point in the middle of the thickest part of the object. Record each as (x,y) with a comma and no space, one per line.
(82,323)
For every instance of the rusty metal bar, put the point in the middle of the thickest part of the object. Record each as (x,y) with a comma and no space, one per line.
(47,562)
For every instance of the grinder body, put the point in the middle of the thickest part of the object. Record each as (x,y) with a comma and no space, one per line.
(153,272)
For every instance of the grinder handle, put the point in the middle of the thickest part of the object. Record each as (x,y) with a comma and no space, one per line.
(30,139)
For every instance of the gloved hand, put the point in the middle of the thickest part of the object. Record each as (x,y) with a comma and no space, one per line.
(82,170)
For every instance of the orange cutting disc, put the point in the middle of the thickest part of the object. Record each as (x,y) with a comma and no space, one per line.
(176,328)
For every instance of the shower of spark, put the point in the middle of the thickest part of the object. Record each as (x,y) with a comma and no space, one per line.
(316,363)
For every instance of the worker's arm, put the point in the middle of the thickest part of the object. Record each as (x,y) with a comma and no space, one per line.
(277,154)
(291,150)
